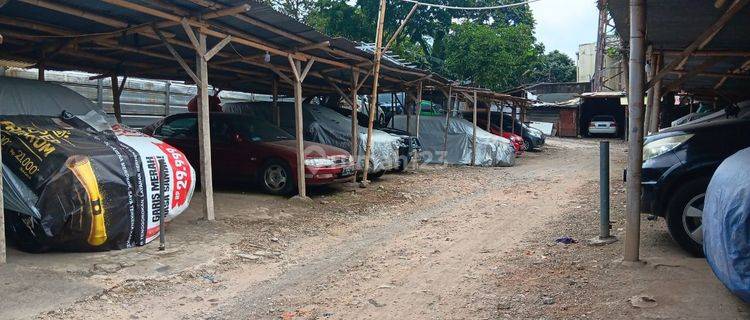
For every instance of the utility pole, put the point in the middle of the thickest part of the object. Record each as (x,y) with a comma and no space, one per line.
(601,47)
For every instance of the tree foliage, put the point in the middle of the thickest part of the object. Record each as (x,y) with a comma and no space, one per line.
(492,48)
(554,66)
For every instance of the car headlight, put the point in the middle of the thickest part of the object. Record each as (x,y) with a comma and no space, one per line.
(534,134)
(319,162)
(659,147)
(351,159)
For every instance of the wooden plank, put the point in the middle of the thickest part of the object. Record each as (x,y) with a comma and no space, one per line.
(204,133)
(400,27)
(210,54)
(692,73)
(177,57)
(2,214)
(447,123)
(228,11)
(419,112)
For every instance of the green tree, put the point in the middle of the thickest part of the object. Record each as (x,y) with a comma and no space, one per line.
(495,57)
(554,66)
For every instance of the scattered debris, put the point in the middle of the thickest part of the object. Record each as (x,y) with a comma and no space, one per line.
(643,301)
(566,240)
(376,303)
(546,300)
(248,256)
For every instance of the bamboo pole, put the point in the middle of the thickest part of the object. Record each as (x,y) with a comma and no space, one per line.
(489,117)
(502,118)
(474,133)
(374,100)
(355,123)
(204,131)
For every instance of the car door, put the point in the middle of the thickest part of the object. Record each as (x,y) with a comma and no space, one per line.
(231,154)
(182,133)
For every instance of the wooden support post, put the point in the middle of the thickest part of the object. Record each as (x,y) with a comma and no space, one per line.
(41,66)
(167,97)
(299,77)
(635,123)
(100,93)
(204,130)
(375,78)
(355,122)
(298,129)
(117,89)
(275,99)
(650,72)
(447,124)
(489,117)
(513,115)
(407,110)
(416,130)
(474,133)
(502,118)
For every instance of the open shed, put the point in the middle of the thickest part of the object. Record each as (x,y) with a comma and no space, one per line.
(693,47)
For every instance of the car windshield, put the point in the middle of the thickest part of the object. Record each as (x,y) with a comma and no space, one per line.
(258,130)
(602,118)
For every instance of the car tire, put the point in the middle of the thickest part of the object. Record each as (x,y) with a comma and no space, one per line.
(276,177)
(684,216)
(377,175)
(527,145)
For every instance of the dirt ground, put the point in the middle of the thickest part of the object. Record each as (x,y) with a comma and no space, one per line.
(442,243)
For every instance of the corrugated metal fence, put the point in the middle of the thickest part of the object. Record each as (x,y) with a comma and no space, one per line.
(143,101)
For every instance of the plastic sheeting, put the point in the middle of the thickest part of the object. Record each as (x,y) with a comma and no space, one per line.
(323,125)
(492,150)
(73,181)
(726,224)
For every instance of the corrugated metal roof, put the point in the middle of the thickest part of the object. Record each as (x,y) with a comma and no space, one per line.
(675,24)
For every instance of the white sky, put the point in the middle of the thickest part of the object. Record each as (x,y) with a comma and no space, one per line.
(564,24)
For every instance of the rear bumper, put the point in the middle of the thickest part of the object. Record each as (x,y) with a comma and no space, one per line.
(603,130)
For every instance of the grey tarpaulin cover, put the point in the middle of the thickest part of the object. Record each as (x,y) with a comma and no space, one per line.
(75,182)
(726,224)
(492,150)
(326,126)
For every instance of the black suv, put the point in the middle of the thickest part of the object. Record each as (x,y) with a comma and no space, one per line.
(678,164)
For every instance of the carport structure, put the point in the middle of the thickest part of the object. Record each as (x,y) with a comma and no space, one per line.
(245,46)
(693,47)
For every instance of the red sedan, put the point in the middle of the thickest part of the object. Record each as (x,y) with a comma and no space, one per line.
(515,139)
(244,148)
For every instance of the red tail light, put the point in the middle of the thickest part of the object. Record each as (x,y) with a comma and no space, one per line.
(591,125)
(613,124)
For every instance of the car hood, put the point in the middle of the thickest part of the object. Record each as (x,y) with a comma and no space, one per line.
(312,149)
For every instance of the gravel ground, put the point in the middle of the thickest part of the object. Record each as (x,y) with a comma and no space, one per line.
(443,243)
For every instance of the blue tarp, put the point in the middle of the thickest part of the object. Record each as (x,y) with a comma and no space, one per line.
(726,224)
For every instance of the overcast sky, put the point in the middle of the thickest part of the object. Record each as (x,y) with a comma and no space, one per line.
(564,24)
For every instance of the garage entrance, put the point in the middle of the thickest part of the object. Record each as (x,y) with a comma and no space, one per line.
(601,104)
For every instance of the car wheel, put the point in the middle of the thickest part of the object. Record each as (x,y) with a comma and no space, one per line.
(276,178)
(377,175)
(685,216)
(526,144)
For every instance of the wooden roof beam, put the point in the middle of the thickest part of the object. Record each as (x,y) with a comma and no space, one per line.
(701,41)
(692,73)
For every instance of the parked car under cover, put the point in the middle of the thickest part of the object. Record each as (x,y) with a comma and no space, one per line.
(73,181)
(603,125)
(533,138)
(246,148)
(726,223)
(492,150)
(678,163)
(323,125)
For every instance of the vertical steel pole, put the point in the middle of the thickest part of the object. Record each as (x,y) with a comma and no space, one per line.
(604,189)
(163,205)
(635,123)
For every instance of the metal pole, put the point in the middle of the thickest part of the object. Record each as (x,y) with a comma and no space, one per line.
(375,78)
(635,123)
(162,204)
(604,189)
